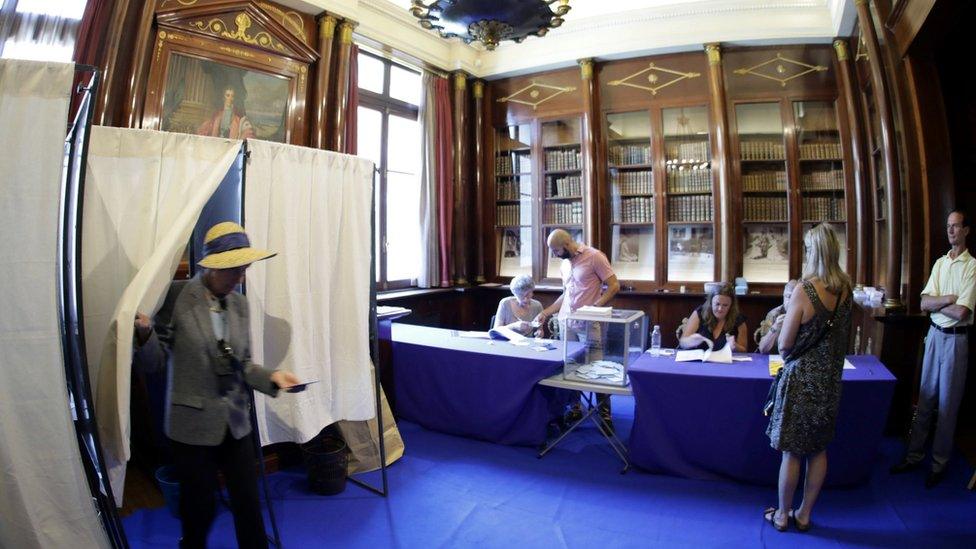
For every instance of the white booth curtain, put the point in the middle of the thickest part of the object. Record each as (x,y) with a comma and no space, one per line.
(44,496)
(143,194)
(310,304)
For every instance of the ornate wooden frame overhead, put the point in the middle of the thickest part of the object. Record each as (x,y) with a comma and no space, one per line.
(239,34)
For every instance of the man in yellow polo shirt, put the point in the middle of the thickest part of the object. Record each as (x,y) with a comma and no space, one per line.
(949,297)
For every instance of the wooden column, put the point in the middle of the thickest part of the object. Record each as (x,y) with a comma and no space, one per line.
(320,105)
(461,205)
(882,98)
(142,50)
(591,190)
(478,91)
(862,196)
(107,99)
(727,251)
(341,103)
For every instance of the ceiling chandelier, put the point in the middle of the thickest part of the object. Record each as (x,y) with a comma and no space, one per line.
(490,21)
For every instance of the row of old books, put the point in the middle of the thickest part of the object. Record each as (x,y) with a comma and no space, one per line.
(765,208)
(822,180)
(696,180)
(764,181)
(513,164)
(820,208)
(559,213)
(690,209)
(820,151)
(622,155)
(507,215)
(694,151)
(762,150)
(632,182)
(508,190)
(562,159)
(633,210)
(567,186)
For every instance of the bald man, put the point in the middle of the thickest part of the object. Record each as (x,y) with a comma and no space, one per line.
(584,271)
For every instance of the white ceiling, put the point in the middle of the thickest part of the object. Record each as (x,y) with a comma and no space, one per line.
(602,29)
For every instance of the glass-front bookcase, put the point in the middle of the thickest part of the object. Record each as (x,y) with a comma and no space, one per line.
(765,197)
(690,194)
(632,204)
(821,169)
(562,184)
(514,204)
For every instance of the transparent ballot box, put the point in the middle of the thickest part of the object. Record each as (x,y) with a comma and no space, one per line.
(600,348)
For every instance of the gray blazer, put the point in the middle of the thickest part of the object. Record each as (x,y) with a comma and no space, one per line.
(196,413)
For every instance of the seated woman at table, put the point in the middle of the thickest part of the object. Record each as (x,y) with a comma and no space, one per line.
(716,323)
(768,331)
(517,312)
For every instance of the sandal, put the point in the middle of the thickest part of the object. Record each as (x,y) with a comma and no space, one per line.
(800,526)
(770,516)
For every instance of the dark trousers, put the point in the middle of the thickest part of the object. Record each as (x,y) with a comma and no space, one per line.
(197,466)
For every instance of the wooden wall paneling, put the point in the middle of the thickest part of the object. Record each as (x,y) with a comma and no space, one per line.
(882,97)
(726,246)
(636,84)
(478,130)
(592,189)
(793,189)
(341,102)
(135,94)
(857,186)
(659,176)
(323,82)
(800,80)
(461,201)
(112,64)
(490,189)
(543,95)
(905,21)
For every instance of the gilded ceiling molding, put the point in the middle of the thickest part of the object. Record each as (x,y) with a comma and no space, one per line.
(586,69)
(653,78)
(460,80)
(327,26)
(345,31)
(478,89)
(714,53)
(841,48)
(780,68)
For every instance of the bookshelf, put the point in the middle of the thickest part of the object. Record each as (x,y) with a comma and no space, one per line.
(632,197)
(514,200)
(562,183)
(765,184)
(690,204)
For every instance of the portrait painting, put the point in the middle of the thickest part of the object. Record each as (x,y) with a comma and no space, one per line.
(209,98)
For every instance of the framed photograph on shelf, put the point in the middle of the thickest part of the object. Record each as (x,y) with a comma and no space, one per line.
(691,253)
(766,256)
(515,254)
(632,256)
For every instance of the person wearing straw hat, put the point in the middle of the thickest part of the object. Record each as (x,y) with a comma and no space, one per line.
(204,332)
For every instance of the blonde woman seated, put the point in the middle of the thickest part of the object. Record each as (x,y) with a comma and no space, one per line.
(716,323)
(768,331)
(518,312)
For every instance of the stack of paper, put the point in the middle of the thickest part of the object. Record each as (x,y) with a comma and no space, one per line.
(595,311)
(603,370)
(723,356)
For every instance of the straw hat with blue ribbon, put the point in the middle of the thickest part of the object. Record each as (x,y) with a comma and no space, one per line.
(226,246)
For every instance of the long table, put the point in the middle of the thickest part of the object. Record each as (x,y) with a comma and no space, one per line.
(705,421)
(474,387)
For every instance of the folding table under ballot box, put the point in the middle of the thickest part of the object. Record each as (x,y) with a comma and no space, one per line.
(599,348)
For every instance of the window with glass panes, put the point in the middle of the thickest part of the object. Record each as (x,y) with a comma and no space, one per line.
(39,30)
(389,134)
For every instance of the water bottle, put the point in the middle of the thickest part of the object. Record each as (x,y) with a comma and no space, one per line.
(656,341)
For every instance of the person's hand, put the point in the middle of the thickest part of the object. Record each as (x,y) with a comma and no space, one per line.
(284,379)
(524,327)
(143,327)
(951,299)
(730,341)
(778,323)
(541,318)
(698,339)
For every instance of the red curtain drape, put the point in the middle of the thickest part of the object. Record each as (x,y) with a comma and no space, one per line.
(352,107)
(445,174)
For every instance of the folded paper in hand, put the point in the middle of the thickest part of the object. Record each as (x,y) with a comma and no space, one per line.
(723,356)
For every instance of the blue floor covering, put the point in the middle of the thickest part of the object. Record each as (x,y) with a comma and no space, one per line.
(453,492)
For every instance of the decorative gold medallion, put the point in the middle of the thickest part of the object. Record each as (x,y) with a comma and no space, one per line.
(654,74)
(781,70)
(535,91)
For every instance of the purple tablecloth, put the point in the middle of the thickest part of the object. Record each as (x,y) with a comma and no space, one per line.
(468,387)
(704,420)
